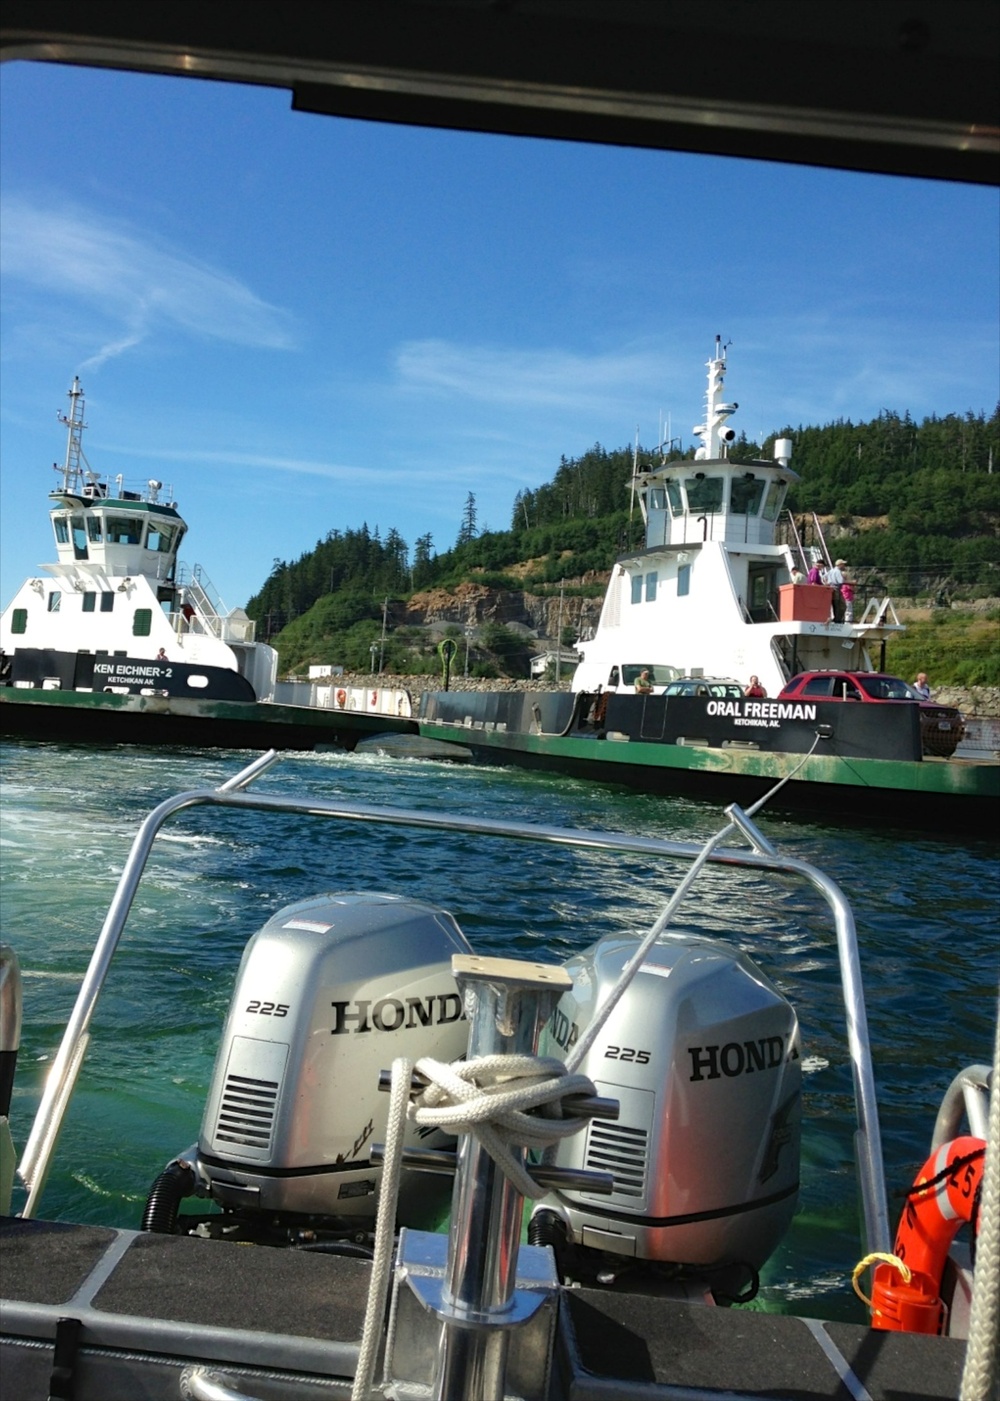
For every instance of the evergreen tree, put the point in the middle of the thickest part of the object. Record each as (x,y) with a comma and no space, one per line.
(467,530)
(422,561)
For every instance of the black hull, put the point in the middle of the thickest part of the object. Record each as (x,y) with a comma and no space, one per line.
(32,667)
(72,717)
(769,726)
(847,762)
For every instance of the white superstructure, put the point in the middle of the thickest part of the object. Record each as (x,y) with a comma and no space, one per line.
(711,591)
(117,611)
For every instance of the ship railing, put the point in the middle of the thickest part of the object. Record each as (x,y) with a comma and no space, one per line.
(796,540)
(198,592)
(234,628)
(761,856)
(202,610)
(334,695)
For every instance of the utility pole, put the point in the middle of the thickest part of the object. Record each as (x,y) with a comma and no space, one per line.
(381,649)
(559,632)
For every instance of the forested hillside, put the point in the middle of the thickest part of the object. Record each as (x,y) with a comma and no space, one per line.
(919,502)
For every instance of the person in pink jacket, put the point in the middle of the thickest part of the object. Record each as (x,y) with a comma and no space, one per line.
(847,594)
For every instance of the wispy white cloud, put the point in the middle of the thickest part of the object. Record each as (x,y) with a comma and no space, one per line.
(550,379)
(132,277)
(345,473)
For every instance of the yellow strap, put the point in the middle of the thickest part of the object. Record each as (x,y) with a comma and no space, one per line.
(862,1265)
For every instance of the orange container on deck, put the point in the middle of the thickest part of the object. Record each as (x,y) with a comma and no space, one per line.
(804,603)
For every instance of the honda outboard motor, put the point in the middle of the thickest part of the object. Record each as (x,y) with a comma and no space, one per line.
(328,993)
(702,1053)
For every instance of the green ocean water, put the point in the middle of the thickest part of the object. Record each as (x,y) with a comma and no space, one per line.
(926,909)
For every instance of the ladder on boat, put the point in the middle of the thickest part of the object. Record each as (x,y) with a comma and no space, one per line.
(197,592)
(880,612)
(812,554)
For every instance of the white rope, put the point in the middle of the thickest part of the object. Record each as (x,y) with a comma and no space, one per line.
(635,962)
(489,1098)
(385,1228)
(979,1376)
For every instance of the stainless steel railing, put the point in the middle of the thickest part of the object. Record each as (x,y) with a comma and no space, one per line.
(41,1144)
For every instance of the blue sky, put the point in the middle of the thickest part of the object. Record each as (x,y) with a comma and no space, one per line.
(303,323)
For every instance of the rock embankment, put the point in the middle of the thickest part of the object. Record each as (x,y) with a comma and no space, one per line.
(415,684)
(472,605)
(972,700)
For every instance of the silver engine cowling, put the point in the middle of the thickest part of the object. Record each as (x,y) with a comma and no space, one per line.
(702,1053)
(328,993)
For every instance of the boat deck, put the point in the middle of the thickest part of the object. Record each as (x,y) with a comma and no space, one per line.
(282,1324)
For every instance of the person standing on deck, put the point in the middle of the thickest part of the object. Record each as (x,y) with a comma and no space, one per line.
(835,579)
(921,687)
(847,594)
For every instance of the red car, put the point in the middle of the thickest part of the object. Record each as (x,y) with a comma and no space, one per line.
(942,727)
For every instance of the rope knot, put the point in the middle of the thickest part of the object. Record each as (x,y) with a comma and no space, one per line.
(507,1102)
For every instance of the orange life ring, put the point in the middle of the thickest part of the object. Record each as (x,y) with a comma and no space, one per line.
(341,699)
(944,1195)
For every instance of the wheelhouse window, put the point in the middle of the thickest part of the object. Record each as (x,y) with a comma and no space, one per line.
(55,598)
(61,527)
(636,588)
(79,538)
(160,538)
(95,529)
(651,587)
(89,602)
(124,530)
(674,497)
(746,494)
(775,500)
(704,493)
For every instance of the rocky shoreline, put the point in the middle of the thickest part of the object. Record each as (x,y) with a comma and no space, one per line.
(981,701)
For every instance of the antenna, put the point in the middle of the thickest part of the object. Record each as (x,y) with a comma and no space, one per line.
(635,468)
(715,436)
(74,436)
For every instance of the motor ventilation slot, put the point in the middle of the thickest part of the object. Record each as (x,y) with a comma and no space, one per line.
(246,1115)
(622,1151)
